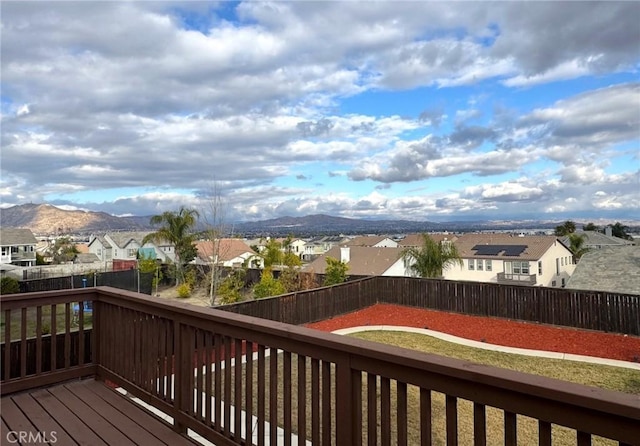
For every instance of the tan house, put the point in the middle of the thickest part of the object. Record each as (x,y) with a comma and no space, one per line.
(511,259)
(363,261)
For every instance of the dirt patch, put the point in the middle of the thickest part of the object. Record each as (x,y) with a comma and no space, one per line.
(494,331)
(199,296)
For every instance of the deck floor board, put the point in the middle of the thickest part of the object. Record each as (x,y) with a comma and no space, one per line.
(84,413)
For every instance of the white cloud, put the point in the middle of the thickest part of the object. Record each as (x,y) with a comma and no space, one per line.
(103,95)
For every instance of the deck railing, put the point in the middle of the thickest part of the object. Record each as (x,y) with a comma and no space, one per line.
(236,379)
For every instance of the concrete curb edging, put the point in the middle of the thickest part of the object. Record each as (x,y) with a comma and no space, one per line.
(493,347)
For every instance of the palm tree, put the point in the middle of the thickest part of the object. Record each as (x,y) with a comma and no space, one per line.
(568,227)
(176,229)
(576,246)
(432,258)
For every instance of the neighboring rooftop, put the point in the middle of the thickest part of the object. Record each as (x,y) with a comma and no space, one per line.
(528,247)
(595,239)
(363,260)
(227,249)
(612,269)
(16,236)
(416,239)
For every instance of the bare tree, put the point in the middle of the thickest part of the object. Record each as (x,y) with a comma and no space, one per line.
(215,229)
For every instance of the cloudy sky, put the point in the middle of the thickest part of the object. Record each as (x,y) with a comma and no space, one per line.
(413,110)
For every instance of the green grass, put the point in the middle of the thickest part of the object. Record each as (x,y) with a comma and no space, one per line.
(595,375)
(31,321)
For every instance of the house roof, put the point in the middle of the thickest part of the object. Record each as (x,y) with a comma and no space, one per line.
(122,239)
(16,236)
(366,240)
(86,258)
(363,260)
(595,238)
(83,248)
(613,269)
(416,239)
(228,249)
(531,247)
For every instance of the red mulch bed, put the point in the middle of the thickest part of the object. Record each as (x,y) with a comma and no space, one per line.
(494,331)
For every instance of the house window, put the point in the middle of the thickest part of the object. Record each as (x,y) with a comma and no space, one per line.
(563,283)
(540,268)
(14,250)
(516,267)
(132,252)
(5,250)
(472,264)
(480,262)
(487,264)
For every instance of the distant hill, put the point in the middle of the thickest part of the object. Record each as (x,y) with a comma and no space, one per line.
(326,224)
(44,219)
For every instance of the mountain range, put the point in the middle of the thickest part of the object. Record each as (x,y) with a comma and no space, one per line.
(45,219)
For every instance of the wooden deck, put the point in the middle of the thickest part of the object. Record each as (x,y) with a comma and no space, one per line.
(82,412)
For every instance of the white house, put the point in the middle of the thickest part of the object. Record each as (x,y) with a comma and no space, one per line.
(319,245)
(17,247)
(509,259)
(229,252)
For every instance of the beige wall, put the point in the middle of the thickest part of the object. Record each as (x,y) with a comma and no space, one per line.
(550,277)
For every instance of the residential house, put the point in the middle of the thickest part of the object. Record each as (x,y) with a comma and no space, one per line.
(229,252)
(18,247)
(509,259)
(597,240)
(125,246)
(297,246)
(375,241)
(610,269)
(319,245)
(363,261)
(416,240)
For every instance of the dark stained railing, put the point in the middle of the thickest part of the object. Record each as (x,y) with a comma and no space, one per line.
(592,310)
(236,379)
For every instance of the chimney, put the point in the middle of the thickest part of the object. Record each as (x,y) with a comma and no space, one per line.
(345,254)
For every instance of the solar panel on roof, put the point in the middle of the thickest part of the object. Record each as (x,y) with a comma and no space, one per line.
(487,250)
(494,250)
(514,250)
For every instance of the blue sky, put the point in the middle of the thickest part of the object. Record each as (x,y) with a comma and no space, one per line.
(414,110)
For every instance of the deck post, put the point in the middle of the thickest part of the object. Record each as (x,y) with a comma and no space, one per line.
(179,384)
(344,403)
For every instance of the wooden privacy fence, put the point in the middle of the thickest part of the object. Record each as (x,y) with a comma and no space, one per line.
(236,380)
(593,310)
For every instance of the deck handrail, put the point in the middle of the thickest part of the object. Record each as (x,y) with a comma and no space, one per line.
(180,358)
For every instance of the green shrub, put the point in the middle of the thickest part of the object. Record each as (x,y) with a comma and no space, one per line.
(268,286)
(230,290)
(184,291)
(9,285)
